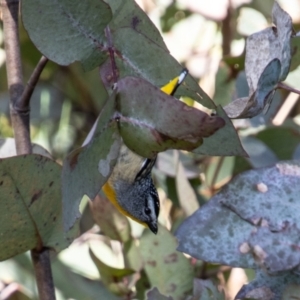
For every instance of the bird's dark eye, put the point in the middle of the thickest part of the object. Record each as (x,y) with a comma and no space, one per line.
(147,211)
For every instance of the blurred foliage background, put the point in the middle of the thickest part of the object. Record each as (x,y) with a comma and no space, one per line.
(208,37)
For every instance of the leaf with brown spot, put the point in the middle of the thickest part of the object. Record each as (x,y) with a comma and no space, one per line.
(261,233)
(225,142)
(92,165)
(162,260)
(151,121)
(28,205)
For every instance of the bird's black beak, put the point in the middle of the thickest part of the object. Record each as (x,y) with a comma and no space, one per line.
(153,227)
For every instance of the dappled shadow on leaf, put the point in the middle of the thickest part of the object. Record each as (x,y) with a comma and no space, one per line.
(255,216)
(204,234)
(112,278)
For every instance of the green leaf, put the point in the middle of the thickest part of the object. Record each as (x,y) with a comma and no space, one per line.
(132,255)
(204,234)
(66,31)
(31,214)
(75,286)
(163,262)
(86,169)
(218,171)
(295,45)
(154,294)
(165,164)
(129,14)
(112,277)
(206,290)
(142,285)
(110,274)
(140,56)
(186,194)
(264,7)
(225,85)
(284,286)
(260,155)
(276,137)
(225,142)
(151,121)
(261,232)
(112,223)
(68,284)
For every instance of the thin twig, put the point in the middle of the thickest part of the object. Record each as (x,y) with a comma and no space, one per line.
(282,85)
(216,173)
(227,31)
(19,111)
(25,99)
(111,51)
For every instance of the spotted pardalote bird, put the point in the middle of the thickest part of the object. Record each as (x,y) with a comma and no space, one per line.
(130,187)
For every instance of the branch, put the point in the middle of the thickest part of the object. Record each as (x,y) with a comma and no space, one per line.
(19,111)
(111,51)
(20,121)
(283,86)
(23,102)
(227,31)
(42,267)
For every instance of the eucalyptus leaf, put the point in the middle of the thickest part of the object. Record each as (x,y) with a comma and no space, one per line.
(163,262)
(112,277)
(186,194)
(140,56)
(206,290)
(129,14)
(263,232)
(225,142)
(204,234)
(86,169)
(112,223)
(31,205)
(76,32)
(284,286)
(268,59)
(154,294)
(152,121)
